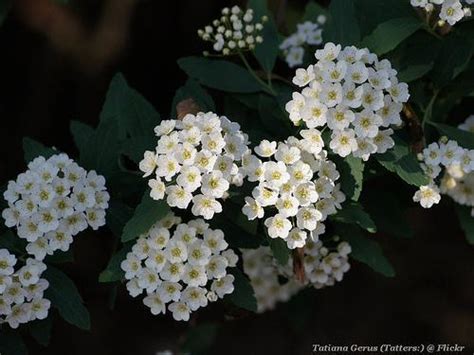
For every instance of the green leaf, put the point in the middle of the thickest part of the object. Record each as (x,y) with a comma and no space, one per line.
(353,213)
(365,250)
(11,343)
(192,90)
(413,72)
(40,330)
(64,296)
(403,162)
(134,115)
(243,295)
(200,338)
(219,74)
(102,150)
(352,176)
(147,213)
(280,250)
(267,51)
(388,35)
(272,116)
(464,138)
(12,242)
(466,221)
(113,272)
(81,134)
(33,149)
(118,214)
(343,27)
(453,58)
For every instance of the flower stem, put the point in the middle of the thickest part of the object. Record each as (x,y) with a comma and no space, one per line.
(267,88)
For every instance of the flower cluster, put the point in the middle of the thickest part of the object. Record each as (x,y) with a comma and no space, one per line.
(234,32)
(450,11)
(352,93)
(458,178)
(307,33)
(52,201)
(186,268)
(300,182)
(196,155)
(323,267)
(21,291)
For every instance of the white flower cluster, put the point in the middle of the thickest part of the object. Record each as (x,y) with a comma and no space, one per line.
(21,291)
(450,11)
(458,179)
(52,201)
(307,33)
(323,267)
(299,181)
(235,31)
(352,93)
(199,152)
(186,268)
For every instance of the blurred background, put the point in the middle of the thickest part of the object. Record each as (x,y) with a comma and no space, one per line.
(56,64)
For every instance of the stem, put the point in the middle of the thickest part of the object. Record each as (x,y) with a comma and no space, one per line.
(267,88)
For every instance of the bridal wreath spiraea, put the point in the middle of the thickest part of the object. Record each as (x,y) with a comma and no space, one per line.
(323,266)
(234,32)
(182,265)
(21,291)
(307,33)
(355,95)
(296,179)
(457,180)
(52,201)
(451,11)
(197,158)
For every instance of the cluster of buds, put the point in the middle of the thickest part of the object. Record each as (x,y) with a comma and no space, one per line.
(236,31)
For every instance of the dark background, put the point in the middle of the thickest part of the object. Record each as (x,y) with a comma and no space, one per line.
(45,82)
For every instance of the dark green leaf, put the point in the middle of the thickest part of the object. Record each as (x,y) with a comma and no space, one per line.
(243,295)
(352,175)
(414,72)
(365,250)
(81,134)
(267,51)
(466,221)
(40,330)
(147,213)
(200,338)
(388,35)
(343,27)
(12,242)
(403,162)
(33,149)
(118,214)
(453,58)
(219,74)
(60,257)
(312,11)
(353,213)
(113,272)
(65,297)
(272,116)
(280,250)
(464,138)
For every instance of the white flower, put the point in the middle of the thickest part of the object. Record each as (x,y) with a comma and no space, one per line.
(154,302)
(427,196)
(278,226)
(180,311)
(214,184)
(157,189)
(266,149)
(205,206)
(252,209)
(7,262)
(178,196)
(223,286)
(194,297)
(343,142)
(148,164)
(296,238)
